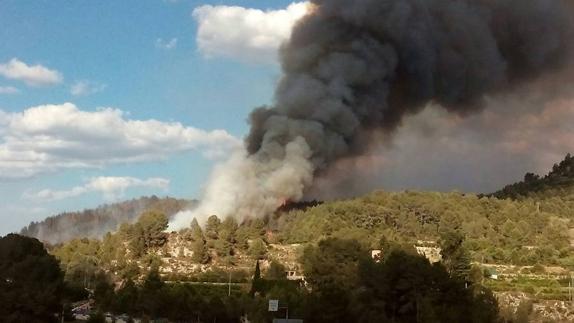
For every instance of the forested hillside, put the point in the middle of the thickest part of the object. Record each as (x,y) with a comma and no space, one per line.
(496,231)
(531,230)
(94,223)
(525,238)
(191,273)
(488,232)
(558,182)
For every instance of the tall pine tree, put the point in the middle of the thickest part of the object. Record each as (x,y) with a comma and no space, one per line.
(200,254)
(256,284)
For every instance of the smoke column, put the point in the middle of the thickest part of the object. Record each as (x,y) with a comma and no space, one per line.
(353,69)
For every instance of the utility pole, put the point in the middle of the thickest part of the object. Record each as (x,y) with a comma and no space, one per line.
(229,285)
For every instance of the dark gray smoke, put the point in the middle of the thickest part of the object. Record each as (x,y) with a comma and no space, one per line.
(353,69)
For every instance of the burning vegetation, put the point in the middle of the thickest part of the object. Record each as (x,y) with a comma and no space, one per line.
(289,206)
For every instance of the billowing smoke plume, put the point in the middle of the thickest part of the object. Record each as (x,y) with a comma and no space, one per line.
(353,69)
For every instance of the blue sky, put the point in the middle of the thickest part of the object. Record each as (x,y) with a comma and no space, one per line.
(121,52)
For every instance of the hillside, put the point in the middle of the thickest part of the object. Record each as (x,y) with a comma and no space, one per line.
(496,231)
(94,223)
(533,229)
(519,233)
(520,248)
(524,239)
(526,242)
(558,182)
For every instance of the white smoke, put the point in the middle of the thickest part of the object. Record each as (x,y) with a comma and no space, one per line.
(251,186)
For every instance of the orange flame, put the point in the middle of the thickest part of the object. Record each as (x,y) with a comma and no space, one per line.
(284,202)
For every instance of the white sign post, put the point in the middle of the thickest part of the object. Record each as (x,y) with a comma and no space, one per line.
(273,305)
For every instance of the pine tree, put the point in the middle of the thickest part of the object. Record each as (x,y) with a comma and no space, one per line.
(200,254)
(242,237)
(195,232)
(258,249)
(455,257)
(227,231)
(212,228)
(276,271)
(256,283)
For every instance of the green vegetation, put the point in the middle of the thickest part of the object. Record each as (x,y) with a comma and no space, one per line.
(454,256)
(496,230)
(330,245)
(154,298)
(32,285)
(341,277)
(400,287)
(258,249)
(195,235)
(276,271)
(147,233)
(344,284)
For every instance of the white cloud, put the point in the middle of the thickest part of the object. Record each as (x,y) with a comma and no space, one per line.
(83,88)
(33,75)
(8,90)
(112,188)
(49,138)
(166,44)
(251,35)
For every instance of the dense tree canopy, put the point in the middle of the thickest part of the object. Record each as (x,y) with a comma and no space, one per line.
(199,249)
(454,256)
(496,230)
(31,282)
(148,232)
(407,288)
(402,286)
